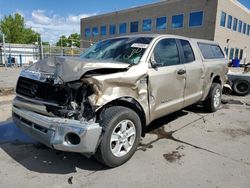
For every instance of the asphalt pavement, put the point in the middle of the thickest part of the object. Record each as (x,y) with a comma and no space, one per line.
(190,148)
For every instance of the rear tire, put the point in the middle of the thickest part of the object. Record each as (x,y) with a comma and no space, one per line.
(121,136)
(241,87)
(213,101)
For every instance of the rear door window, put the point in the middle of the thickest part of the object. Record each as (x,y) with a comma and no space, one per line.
(188,51)
(211,51)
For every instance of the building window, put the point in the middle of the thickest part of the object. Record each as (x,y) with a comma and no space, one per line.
(229,21)
(235,24)
(241,54)
(244,28)
(161,23)
(195,19)
(223,19)
(147,25)
(236,53)
(87,32)
(122,28)
(231,55)
(240,26)
(103,30)
(134,27)
(248,30)
(112,29)
(95,31)
(177,21)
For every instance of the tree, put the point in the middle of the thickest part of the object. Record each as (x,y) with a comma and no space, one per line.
(15,31)
(72,40)
(45,43)
(1,37)
(63,41)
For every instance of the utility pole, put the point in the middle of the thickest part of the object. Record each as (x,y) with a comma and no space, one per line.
(4,51)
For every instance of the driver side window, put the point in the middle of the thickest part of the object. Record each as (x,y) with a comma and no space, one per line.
(166,53)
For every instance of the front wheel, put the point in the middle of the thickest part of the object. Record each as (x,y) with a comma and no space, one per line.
(213,101)
(121,136)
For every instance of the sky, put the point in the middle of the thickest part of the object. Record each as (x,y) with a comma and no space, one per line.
(53,18)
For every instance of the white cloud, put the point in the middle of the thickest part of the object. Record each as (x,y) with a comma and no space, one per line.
(39,17)
(74,19)
(52,26)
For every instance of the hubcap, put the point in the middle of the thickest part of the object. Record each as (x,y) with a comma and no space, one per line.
(217,98)
(122,138)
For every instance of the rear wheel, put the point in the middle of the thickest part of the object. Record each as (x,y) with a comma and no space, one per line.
(241,87)
(213,101)
(121,136)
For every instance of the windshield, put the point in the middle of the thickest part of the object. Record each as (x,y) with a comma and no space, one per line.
(125,50)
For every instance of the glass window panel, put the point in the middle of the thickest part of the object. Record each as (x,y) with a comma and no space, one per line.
(166,53)
(177,21)
(241,54)
(236,53)
(223,19)
(87,32)
(161,23)
(229,21)
(240,26)
(188,51)
(195,19)
(134,27)
(235,24)
(122,28)
(248,30)
(210,51)
(231,54)
(112,29)
(244,28)
(103,30)
(95,31)
(146,25)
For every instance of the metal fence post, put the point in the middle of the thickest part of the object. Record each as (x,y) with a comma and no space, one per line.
(4,51)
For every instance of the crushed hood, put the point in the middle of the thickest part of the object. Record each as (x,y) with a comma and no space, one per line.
(69,69)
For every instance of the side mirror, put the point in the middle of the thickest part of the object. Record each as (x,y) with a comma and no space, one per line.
(153,62)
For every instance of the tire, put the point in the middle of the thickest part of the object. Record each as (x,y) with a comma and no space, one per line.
(116,120)
(213,101)
(241,87)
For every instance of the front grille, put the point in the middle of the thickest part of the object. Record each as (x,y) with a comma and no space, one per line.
(26,87)
(42,91)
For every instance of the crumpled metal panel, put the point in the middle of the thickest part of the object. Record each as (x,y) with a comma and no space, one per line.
(132,83)
(70,69)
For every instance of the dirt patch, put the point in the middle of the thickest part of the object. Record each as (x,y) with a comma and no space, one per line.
(173,156)
(161,134)
(7,91)
(234,133)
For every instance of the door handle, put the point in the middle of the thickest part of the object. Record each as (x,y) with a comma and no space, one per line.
(181,72)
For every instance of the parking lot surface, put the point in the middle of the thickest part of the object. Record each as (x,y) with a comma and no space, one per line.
(190,148)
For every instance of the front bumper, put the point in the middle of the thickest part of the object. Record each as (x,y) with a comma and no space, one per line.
(58,133)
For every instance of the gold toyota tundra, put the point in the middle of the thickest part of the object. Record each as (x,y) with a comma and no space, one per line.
(100,104)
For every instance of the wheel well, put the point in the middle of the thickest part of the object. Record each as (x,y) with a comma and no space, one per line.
(129,103)
(216,79)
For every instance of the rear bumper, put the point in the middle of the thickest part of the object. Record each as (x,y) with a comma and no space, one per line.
(57,132)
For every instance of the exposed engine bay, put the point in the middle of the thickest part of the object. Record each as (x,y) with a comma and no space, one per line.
(68,100)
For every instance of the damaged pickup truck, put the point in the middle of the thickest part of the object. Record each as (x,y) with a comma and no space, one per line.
(100,104)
